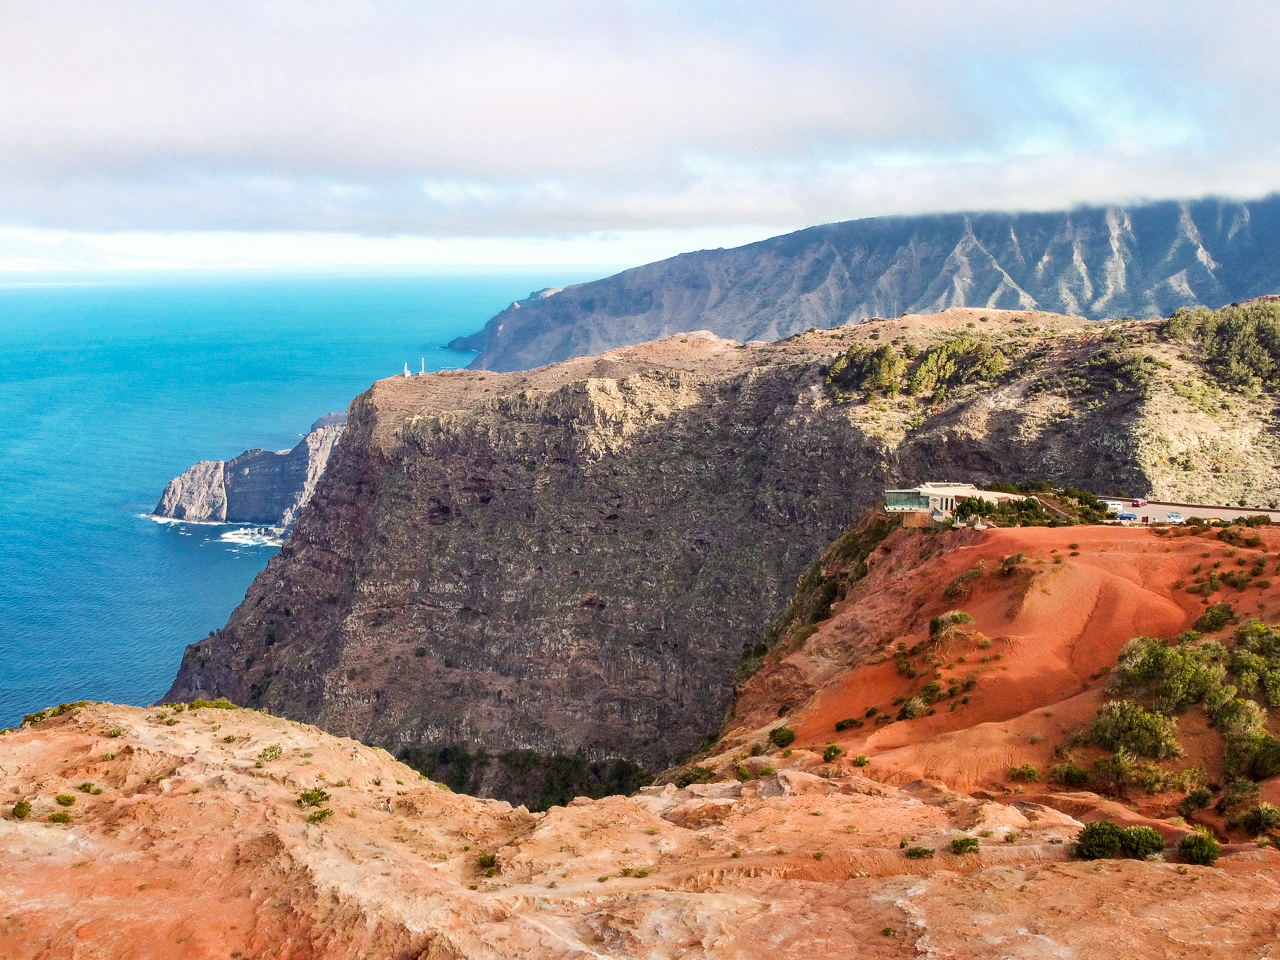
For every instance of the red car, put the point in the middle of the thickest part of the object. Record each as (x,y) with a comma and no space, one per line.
(1140,502)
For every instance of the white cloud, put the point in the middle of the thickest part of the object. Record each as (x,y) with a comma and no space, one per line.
(558,122)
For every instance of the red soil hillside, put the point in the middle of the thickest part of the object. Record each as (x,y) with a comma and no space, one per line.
(1030,669)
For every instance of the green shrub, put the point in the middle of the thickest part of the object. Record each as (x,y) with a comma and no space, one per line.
(313,797)
(1261,819)
(1125,725)
(963,845)
(943,623)
(1070,775)
(694,775)
(116,732)
(912,708)
(861,760)
(1141,842)
(1197,799)
(1199,848)
(782,736)
(319,816)
(65,799)
(850,723)
(919,853)
(1215,618)
(1099,840)
(60,817)
(267,754)
(1026,773)
(1237,793)
(21,810)
(832,752)
(222,703)
(485,859)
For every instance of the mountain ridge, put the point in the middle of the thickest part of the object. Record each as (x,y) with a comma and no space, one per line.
(1143,261)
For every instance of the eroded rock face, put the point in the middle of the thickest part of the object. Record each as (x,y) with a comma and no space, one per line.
(259,486)
(1143,261)
(575,558)
(186,838)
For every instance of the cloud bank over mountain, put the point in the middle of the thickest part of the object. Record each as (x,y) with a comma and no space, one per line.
(507,119)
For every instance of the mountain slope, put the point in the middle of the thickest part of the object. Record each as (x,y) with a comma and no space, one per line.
(574,559)
(1142,261)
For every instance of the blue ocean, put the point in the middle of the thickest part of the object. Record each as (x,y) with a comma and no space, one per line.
(112,385)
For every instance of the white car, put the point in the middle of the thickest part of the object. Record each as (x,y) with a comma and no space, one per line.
(1173,518)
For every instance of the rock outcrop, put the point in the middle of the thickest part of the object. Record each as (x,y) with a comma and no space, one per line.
(1142,261)
(259,486)
(574,559)
(214,833)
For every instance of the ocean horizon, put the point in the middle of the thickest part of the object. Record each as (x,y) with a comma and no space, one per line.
(111,385)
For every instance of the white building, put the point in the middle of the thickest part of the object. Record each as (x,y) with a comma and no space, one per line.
(939,499)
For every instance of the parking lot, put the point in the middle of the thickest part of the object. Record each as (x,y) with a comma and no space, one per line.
(1154,512)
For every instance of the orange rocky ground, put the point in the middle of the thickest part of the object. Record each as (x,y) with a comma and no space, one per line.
(1043,638)
(193,850)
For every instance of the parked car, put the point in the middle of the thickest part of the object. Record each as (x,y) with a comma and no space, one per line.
(1172,517)
(1140,502)
(1126,516)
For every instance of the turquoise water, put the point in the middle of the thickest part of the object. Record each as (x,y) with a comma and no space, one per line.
(109,387)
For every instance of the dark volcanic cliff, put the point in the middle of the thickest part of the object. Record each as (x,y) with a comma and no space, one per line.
(575,558)
(1141,261)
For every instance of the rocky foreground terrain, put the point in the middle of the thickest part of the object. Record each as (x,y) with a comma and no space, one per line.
(573,560)
(1143,261)
(217,833)
(259,486)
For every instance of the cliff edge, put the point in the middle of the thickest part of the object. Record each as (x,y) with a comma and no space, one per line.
(572,561)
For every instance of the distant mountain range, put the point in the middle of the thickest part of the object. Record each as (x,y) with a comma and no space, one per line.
(1097,262)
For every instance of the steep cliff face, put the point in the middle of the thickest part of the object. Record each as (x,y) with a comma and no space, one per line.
(259,486)
(575,558)
(1142,261)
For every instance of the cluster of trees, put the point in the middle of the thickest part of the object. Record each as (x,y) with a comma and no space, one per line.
(963,359)
(1241,343)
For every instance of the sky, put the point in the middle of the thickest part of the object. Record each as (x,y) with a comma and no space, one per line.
(516,132)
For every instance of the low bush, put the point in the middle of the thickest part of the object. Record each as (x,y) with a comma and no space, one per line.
(833,752)
(313,797)
(60,817)
(1070,775)
(1099,840)
(1199,848)
(919,853)
(116,732)
(319,816)
(1215,618)
(267,754)
(222,703)
(694,775)
(1261,819)
(65,799)
(861,760)
(782,736)
(1141,842)
(1125,725)
(21,810)
(485,859)
(963,845)
(849,723)
(943,623)
(1027,773)
(1197,799)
